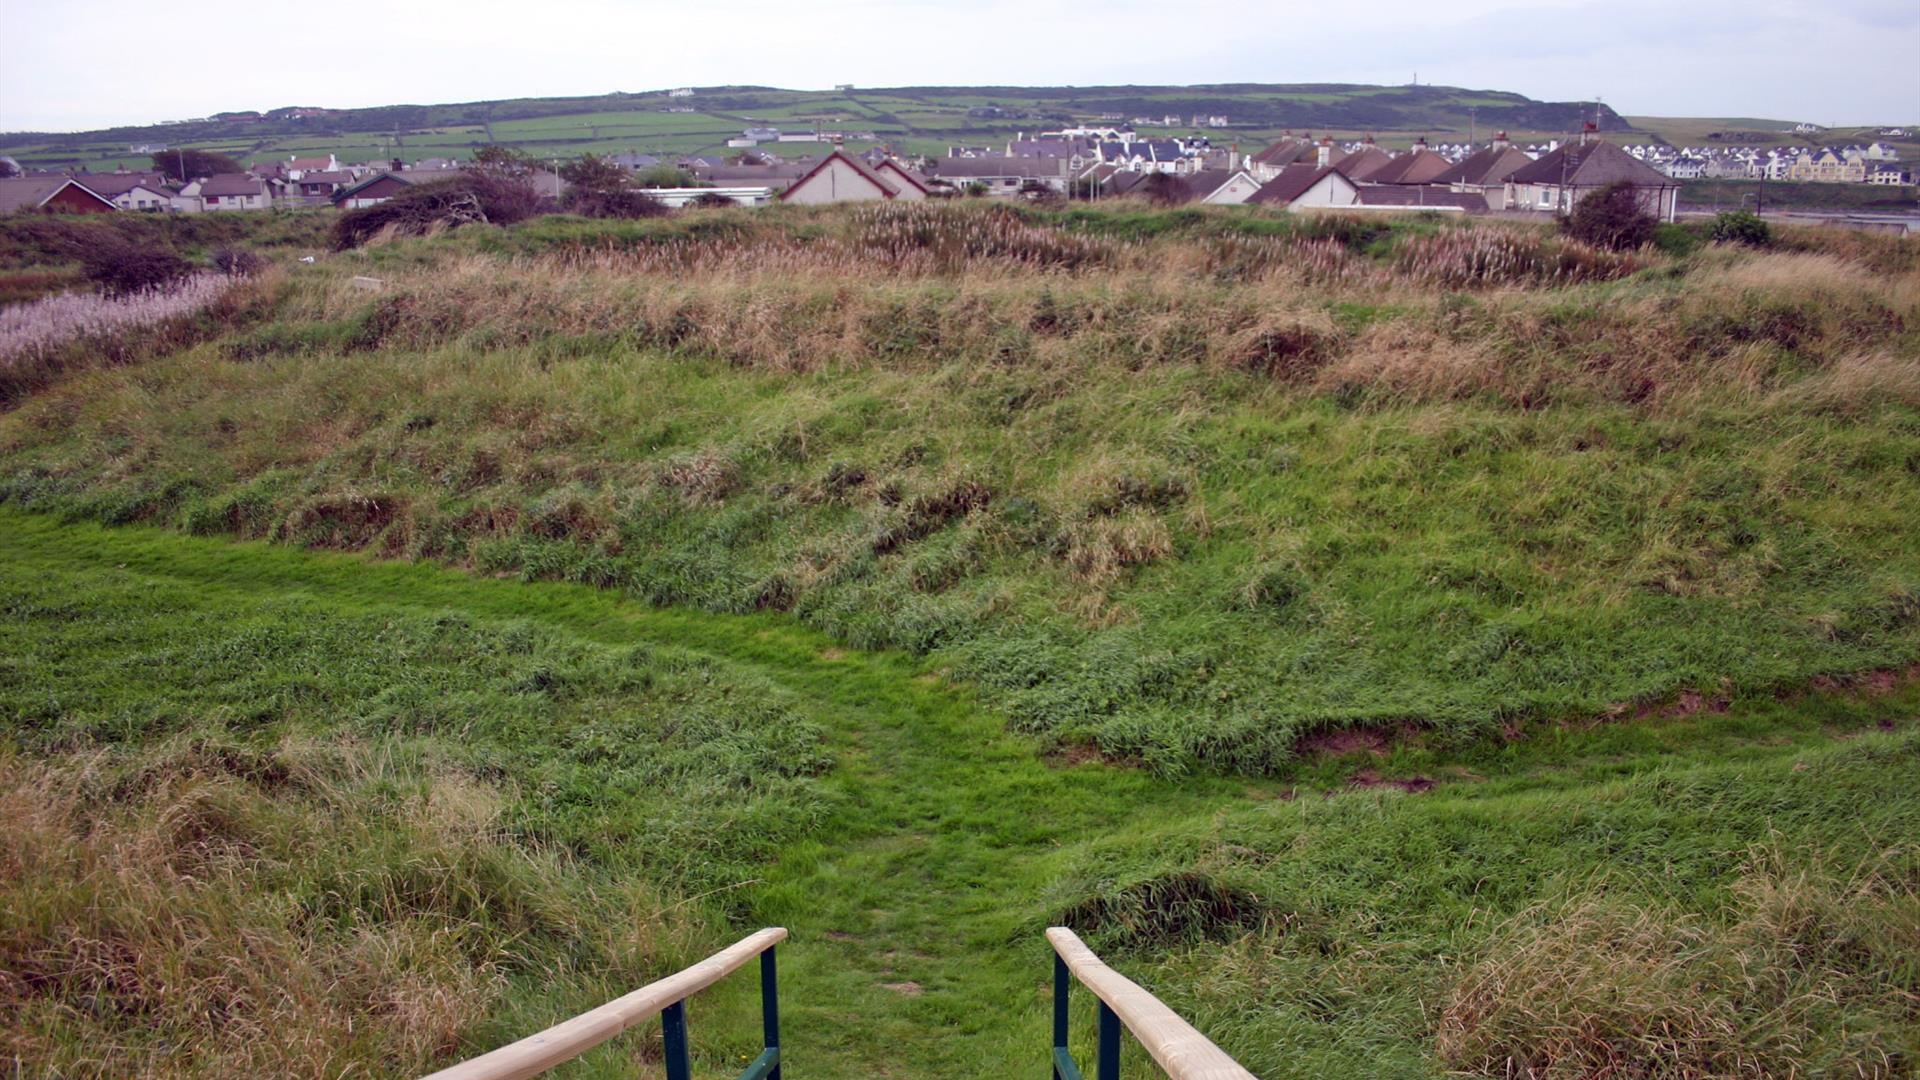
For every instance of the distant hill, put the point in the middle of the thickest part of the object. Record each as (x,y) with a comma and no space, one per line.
(916,118)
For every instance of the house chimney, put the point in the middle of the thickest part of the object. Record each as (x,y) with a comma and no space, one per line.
(1500,140)
(1420,144)
(1368,141)
(398,165)
(1323,157)
(1589,131)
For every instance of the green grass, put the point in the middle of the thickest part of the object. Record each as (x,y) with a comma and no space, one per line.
(1400,680)
(932,847)
(1196,567)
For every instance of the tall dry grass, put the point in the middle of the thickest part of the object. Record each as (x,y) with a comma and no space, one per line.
(313,910)
(1540,320)
(1815,973)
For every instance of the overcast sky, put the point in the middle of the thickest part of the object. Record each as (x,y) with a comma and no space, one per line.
(66,67)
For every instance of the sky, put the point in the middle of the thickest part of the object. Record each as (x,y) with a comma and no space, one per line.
(68,68)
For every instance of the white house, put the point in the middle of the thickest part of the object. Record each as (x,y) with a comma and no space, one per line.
(234,191)
(1237,189)
(840,178)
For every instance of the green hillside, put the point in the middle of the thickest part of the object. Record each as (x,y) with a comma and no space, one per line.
(913,119)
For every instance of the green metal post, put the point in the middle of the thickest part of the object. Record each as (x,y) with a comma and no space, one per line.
(673,1030)
(1107,1065)
(770,1006)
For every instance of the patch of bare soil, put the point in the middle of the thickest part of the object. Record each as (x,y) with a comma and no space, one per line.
(1412,785)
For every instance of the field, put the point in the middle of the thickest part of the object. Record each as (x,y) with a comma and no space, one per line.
(1411,648)
(912,120)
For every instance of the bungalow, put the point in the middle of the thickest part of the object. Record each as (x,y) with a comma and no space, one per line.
(58,194)
(912,187)
(1002,175)
(1237,187)
(841,178)
(297,167)
(1485,172)
(315,186)
(234,191)
(372,191)
(130,190)
(1308,187)
(1562,177)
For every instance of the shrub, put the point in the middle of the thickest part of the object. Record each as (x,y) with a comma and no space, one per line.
(1612,218)
(121,268)
(622,203)
(1742,227)
(481,197)
(238,262)
(711,200)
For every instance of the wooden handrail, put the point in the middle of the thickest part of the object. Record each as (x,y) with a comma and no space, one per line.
(1182,1052)
(570,1038)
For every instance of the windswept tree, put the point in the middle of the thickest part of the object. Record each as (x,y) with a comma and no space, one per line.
(504,160)
(593,174)
(185,164)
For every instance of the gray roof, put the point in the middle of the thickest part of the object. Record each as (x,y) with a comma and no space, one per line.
(1593,164)
(1489,166)
(113,185)
(1293,182)
(30,192)
(233,184)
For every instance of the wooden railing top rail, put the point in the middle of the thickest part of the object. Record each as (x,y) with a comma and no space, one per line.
(570,1038)
(1182,1052)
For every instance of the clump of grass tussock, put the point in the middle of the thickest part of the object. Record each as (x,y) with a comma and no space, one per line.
(1812,971)
(1735,911)
(199,908)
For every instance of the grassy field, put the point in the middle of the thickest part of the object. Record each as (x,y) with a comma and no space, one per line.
(1412,648)
(923,119)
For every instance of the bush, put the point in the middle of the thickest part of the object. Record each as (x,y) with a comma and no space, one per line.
(480,197)
(238,262)
(120,267)
(1742,227)
(618,203)
(1612,218)
(711,200)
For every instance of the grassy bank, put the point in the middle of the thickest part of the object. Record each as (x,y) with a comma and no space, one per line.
(1412,648)
(271,811)
(1192,489)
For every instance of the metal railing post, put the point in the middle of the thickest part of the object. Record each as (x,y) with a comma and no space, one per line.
(1107,1063)
(673,1030)
(770,1006)
(1062,981)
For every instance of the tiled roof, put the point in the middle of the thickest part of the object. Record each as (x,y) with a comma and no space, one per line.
(1490,166)
(1415,167)
(1293,181)
(233,184)
(1593,164)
